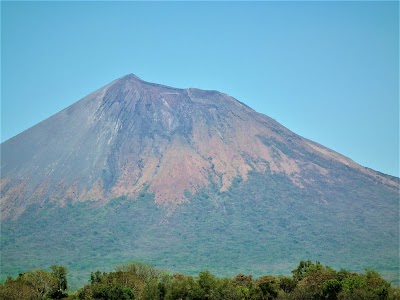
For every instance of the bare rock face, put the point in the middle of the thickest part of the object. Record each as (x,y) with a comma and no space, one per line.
(187,180)
(132,135)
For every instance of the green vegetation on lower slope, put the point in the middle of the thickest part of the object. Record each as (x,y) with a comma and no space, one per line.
(264,224)
(143,282)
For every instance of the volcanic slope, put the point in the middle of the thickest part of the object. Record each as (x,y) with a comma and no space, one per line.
(187,179)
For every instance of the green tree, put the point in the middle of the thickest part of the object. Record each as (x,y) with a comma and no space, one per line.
(268,286)
(368,286)
(96,277)
(331,289)
(244,285)
(304,267)
(15,289)
(183,287)
(151,291)
(60,277)
(42,283)
(287,284)
(206,282)
(103,292)
(311,279)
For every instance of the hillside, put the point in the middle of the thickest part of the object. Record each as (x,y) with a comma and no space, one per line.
(187,179)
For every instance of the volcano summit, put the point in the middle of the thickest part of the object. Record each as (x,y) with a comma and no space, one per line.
(187,179)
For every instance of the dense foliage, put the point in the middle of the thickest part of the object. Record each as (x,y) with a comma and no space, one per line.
(263,224)
(37,284)
(309,281)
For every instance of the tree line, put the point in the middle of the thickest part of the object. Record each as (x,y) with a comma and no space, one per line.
(309,281)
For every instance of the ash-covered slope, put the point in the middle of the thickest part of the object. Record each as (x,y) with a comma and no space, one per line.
(131,135)
(187,180)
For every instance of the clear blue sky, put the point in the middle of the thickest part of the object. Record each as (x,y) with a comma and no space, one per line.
(328,71)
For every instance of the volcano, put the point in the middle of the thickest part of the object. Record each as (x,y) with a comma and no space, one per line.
(187,179)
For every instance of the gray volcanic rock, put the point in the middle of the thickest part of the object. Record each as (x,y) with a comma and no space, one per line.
(131,134)
(193,156)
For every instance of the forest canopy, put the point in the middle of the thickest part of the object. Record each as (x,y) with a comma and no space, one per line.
(141,281)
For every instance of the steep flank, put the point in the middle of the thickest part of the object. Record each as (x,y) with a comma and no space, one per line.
(187,180)
(131,135)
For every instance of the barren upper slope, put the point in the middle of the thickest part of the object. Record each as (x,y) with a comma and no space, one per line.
(133,135)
